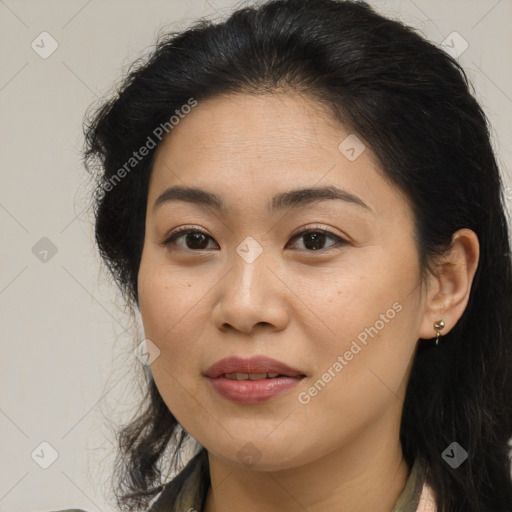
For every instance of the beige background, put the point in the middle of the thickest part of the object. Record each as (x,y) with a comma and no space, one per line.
(66,357)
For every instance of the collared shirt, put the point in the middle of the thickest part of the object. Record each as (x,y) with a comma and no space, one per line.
(187,491)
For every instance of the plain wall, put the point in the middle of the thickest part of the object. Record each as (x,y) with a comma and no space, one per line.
(66,358)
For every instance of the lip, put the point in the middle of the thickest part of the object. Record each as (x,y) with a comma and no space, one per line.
(255,364)
(252,391)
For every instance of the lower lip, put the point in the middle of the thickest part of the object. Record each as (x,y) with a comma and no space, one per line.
(252,391)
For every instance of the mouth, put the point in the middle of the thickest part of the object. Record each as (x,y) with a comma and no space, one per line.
(256,376)
(253,390)
(254,368)
(252,381)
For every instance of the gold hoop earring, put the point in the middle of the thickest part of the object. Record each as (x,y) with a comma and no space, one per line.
(439,326)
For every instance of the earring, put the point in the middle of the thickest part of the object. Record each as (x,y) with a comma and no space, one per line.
(438,326)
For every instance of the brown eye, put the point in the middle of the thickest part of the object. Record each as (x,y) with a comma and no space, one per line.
(194,240)
(315,239)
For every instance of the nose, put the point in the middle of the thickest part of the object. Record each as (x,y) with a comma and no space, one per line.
(251,295)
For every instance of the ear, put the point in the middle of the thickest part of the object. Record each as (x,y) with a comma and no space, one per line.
(449,289)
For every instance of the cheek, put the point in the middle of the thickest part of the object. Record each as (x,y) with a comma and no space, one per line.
(361,374)
(372,317)
(348,298)
(170,308)
(175,313)
(169,300)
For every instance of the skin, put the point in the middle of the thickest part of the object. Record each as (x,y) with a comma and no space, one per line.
(341,450)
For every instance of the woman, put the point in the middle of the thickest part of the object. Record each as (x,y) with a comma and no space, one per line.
(303,204)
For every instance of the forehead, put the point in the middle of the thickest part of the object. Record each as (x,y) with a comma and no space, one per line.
(254,145)
(240,120)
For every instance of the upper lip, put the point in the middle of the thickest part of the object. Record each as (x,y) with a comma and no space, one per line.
(256,364)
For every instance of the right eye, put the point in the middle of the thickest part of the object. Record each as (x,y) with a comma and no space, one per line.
(194,239)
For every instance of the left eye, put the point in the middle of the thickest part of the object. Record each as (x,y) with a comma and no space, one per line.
(313,239)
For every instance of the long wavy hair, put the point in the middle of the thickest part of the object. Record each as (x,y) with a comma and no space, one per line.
(412,103)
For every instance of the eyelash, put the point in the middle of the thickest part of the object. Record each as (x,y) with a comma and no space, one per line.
(171,239)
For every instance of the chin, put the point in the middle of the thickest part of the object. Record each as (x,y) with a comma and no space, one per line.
(259,453)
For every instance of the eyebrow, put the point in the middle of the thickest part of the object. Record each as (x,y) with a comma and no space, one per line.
(282,201)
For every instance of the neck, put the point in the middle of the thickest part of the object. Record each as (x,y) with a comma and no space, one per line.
(367,473)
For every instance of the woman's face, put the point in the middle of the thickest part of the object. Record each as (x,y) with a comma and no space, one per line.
(342,306)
